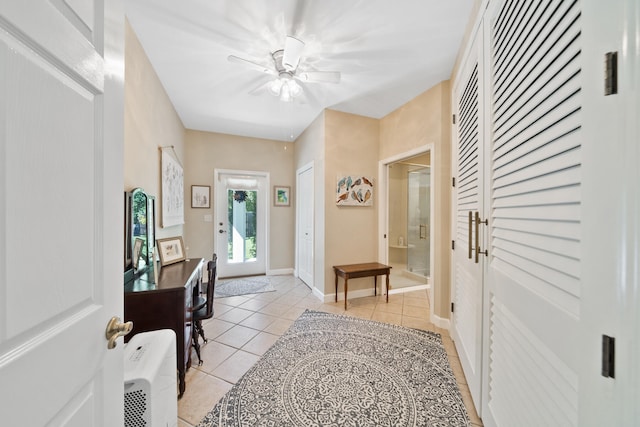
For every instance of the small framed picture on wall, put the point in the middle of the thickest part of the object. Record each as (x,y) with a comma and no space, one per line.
(281,195)
(200,196)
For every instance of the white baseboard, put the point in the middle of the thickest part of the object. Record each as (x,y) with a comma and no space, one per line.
(280,272)
(408,289)
(440,322)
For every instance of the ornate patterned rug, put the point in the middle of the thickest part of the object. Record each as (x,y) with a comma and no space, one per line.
(243,286)
(330,370)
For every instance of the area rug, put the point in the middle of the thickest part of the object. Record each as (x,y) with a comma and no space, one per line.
(331,370)
(243,286)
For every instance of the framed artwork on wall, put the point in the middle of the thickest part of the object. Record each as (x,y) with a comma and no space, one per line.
(281,195)
(200,196)
(354,190)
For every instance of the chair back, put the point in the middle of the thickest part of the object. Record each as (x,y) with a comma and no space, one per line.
(211,285)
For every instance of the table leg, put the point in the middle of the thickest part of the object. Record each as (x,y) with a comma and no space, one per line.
(336,287)
(346,279)
(387,287)
(375,285)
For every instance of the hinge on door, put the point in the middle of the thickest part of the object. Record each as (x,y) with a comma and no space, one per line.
(454,119)
(608,356)
(610,73)
(452,306)
(453,181)
(453,245)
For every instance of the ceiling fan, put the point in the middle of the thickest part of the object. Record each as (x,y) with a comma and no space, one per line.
(285,69)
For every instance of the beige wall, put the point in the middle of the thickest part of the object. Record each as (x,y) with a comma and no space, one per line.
(309,148)
(150,122)
(425,120)
(351,147)
(206,151)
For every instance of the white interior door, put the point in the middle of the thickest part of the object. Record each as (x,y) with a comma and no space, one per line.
(61,211)
(534,278)
(468,263)
(304,208)
(241,222)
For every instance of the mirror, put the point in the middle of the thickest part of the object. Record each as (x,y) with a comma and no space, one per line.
(139,234)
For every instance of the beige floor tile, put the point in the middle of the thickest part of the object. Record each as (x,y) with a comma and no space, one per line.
(235,366)
(268,296)
(389,308)
(364,302)
(416,302)
(258,321)
(183,423)
(364,312)
(413,311)
(393,298)
(260,343)
(236,315)
(311,303)
(215,328)
(274,309)
(416,323)
(233,301)
(468,404)
(254,304)
(457,370)
(213,354)
(293,313)
(394,319)
(289,300)
(201,394)
(237,336)
(219,309)
(279,326)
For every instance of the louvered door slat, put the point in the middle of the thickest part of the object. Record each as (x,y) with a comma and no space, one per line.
(555,229)
(560,195)
(539,169)
(563,247)
(566,177)
(562,134)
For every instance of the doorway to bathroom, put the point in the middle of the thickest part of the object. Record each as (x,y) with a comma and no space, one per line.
(407,223)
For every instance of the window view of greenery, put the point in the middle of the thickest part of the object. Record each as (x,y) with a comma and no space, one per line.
(242,225)
(140,221)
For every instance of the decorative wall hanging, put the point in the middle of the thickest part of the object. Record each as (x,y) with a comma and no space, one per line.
(200,196)
(281,195)
(172,190)
(354,190)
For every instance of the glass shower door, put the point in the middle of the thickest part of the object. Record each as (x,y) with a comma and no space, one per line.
(418,233)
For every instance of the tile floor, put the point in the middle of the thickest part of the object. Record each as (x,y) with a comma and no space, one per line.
(244,327)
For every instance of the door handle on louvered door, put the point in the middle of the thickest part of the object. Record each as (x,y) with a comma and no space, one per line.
(478,250)
(470,234)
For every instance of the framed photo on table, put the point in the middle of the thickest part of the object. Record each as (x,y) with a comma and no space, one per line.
(281,195)
(171,250)
(200,196)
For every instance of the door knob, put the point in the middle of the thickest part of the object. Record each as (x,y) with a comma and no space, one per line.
(221,231)
(115,329)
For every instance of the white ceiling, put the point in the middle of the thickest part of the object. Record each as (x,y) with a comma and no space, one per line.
(388,52)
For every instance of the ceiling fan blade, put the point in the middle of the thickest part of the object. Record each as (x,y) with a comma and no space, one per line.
(292,52)
(251,64)
(319,76)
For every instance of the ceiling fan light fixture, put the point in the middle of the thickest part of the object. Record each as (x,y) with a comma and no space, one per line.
(292,52)
(275,87)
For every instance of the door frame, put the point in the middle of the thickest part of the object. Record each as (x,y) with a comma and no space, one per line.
(216,189)
(306,167)
(383,212)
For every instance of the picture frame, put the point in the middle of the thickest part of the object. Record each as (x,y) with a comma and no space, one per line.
(201,196)
(281,195)
(171,250)
(137,248)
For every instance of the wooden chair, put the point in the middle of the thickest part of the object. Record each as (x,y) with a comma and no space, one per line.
(205,310)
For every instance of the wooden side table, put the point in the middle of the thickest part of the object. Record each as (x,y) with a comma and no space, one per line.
(353,271)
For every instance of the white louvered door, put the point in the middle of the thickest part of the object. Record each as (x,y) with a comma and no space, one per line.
(534,189)
(467,271)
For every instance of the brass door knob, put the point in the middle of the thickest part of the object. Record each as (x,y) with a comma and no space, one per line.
(115,329)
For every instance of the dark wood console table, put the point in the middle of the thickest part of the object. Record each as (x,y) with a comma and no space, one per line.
(166,305)
(352,271)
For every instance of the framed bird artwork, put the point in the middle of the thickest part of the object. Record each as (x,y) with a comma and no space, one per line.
(354,190)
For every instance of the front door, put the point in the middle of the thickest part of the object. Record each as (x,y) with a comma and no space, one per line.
(241,201)
(61,212)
